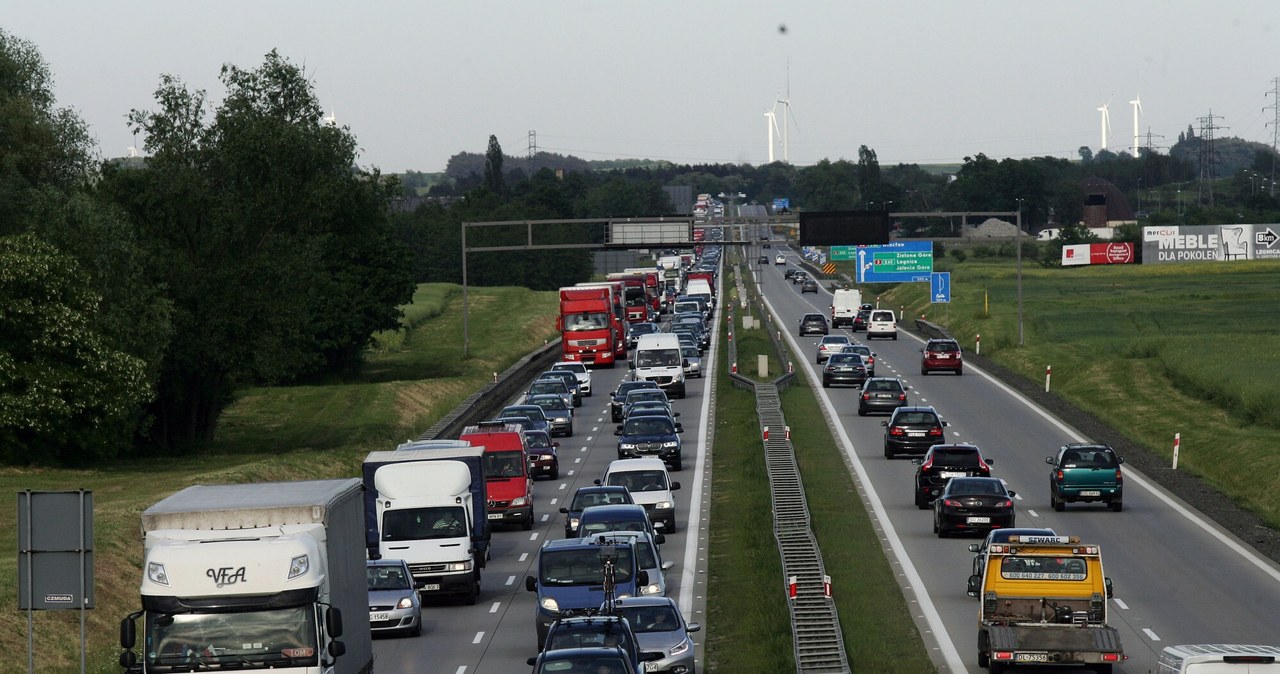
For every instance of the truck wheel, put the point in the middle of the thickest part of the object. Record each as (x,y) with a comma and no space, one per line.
(997,667)
(470,597)
(984,660)
(1104,668)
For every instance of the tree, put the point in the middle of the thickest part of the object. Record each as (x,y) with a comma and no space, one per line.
(493,167)
(1086,154)
(275,250)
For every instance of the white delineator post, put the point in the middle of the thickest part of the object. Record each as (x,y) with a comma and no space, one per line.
(977,345)
(1048,372)
(1177,441)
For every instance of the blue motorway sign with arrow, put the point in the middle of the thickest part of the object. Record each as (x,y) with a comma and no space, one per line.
(897,262)
(940,287)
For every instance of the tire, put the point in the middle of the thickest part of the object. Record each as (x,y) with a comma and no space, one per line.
(417,629)
(862,412)
(920,503)
(924,372)
(678,464)
(555,472)
(997,667)
(826,384)
(1103,668)
(1058,504)
(959,371)
(895,336)
(1116,506)
(936,530)
(888,453)
(527,526)
(569,433)
(470,597)
(984,659)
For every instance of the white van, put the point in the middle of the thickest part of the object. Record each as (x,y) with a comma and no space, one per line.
(1219,659)
(882,323)
(657,358)
(650,486)
(844,307)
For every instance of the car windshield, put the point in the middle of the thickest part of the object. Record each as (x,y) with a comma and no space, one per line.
(420,524)
(648,426)
(582,566)
(658,358)
(577,368)
(651,618)
(536,440)
(588,636)
(640,480)
(589,663)
(638,329)
(194,641)
(553,404)
(532,411)
(383,577)
(499,465)
(584,500)
(547,386)
(583,322)
(689,352)
(967,458)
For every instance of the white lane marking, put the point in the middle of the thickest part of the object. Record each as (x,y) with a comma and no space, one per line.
(462,669)
(495,607)
(544,517)
(1150,635)
(553,501)
(563,486)
(689,573)
(533,536)
(479,638)
(511,580)
(524,556)
(1032,513)
(571,472)
(595,429)
(1121,604)
(578,460)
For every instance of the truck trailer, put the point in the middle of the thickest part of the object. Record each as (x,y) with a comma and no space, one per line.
(253,576)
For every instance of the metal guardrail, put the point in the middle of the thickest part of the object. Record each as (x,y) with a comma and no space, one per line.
(815,624)
(483,404)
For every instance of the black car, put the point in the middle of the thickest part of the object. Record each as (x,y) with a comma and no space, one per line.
(651,434)
(912,430)
(541,450)
(620,396)
(635,330)
(596,631)
(809,286)
(844,368)
(973,504)
(944,462)
(764,259)
(813,324)
(799,276)
(868,356)
(586,497)
(790,271)
(860,321)
(882,394)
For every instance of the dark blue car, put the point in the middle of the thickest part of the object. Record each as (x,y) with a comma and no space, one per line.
(650,434)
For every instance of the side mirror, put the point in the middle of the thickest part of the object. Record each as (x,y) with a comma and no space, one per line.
(679,428)
(884,423)
(675,486)
(128,633)
(684,362)
(1012,493)
(974,586)
(693,627)
(946,423)
(530,583)
(631,364)
(990,462)
(668,565)
(917,461)
(555,444)
(617,431)
(532,661)
(1119,459)
(333,619)
(974,547)
(564,510)
(1049,460)
(678,414)
(1111,591)
(337,649)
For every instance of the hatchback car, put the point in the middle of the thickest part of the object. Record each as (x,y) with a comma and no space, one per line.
(799,276)
(616,517)
(813,324)
(660,627)
(809,286)
(973,504)
(543,457)
(789,272)
(780,259)
(619,399)
(559,415)
(831,344)
(941,355)
(394,605)
(844,368)
(648,406)
(570,380)
(882,394)
(580,371)
(1084,473)
(585,497)
(536,416)
(860,319)
(692,360)
(912,430)
(552,386)
(944,462)
(764,259)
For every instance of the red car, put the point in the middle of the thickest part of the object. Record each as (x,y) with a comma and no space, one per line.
(941,354)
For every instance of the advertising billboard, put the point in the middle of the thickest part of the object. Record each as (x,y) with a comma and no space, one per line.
(1096,253)
(1198,243)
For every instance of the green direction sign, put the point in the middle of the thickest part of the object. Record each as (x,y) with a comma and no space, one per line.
(903,262)
(839,253)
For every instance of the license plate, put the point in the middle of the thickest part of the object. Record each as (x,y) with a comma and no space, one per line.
(1030,657)
(495,516)
(1093,492)
(376,617)
(915,434)
(650,666)
(943,356)
(948,474)
(978,520)
(430,587)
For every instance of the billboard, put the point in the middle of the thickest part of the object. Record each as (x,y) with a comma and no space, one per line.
(1097,253)
(897,262)
(844,228)
(1198,243)
(641,233)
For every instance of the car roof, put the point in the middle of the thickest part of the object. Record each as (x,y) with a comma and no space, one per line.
(955,445)
(647,600)
(385,561)
(615,509)
(915,408)
(642,463)
(547,396)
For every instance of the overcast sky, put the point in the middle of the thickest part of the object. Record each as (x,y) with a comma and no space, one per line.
(689,82)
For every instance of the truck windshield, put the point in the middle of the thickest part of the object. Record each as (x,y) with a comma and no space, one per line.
(636,296)
(1043,568)
(499,465)
(418,524)
(582,567)
(584,322)
(658,358)
(187,642)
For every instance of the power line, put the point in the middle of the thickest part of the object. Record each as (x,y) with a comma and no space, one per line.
(533,144)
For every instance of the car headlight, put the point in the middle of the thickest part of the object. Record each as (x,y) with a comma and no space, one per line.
(626,445)
(405,602)
(458,566)
(663,505)
(669,445)
(573,523)
(519,501)
(549,604)
(651,588)
(547,457)
(680,647)
(562,420)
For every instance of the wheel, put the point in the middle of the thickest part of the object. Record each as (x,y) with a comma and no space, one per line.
(888,453)
(935,527)
(984,659)
(470,597)
(959,371)
(923,372)
(920,502)
(826,384)
(1104,668)
(526,526)
(862,412)
(417,629)
(569,433)
(555,473)
(997,667)
(1116,506)
(677,464)
(1058,504)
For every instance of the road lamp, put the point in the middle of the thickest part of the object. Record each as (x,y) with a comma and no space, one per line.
(1017,245)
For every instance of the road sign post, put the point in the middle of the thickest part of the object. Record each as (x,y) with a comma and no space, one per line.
(940,287)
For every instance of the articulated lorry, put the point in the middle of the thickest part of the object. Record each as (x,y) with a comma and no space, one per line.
(253,577)
(652,286)
(1044,602)
(635,296)
(589,332)
(425,504)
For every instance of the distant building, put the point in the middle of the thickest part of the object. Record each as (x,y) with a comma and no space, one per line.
(1105,205)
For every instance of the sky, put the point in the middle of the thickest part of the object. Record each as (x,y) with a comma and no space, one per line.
(690,82)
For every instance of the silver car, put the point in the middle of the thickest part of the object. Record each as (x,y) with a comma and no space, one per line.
(580,371)
(659,626)
(692,361)
(394,606)
(648,556)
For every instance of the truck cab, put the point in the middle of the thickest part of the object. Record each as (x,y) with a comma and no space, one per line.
(506,472)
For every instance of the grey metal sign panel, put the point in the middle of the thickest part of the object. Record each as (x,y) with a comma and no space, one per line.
(54,581)
(1203,243)
(55,550)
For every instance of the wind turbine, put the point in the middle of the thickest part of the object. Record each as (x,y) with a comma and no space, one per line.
(772,122)
(1106,123)
(1137,108)
(332,119)
(133,151)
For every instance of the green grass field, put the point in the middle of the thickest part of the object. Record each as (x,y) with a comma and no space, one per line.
(274,434)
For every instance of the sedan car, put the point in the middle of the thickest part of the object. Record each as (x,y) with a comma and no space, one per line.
(942,463)
(973,504)
(813,324)
(764,259)
(619,398)
(585,497)
(799,276)
(912,430)
(543,457)
(570,381)
(868,356)
(553,386)
(789,272)
(882,394)
(780,259)
(844,368)
(660,627)
(829,345)
(559,415)
(1086,472)
(809,286)
(394,605)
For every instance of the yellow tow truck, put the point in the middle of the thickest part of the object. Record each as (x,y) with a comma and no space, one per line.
(1044,602)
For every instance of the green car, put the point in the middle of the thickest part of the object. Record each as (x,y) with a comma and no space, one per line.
(1088,473)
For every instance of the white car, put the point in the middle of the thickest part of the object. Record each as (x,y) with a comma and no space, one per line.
(580,371)
(650,486)
(882,323)
(780,259)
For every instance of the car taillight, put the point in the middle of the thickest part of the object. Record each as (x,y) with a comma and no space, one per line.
(950,503)
(983,465)
(1119,477)
(902,396)
(935,431)
(895,430)
(1059,475)
(866,396)
(927,464)
(1007,503)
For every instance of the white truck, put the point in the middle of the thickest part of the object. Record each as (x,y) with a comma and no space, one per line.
(657,358)
(844,307)
(253,577)
(428,508)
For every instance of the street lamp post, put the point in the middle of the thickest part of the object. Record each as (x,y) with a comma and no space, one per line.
(1017,244)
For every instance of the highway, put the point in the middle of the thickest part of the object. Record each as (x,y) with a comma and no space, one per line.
(496,635)
(1178,578)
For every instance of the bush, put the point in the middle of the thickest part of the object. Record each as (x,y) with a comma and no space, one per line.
(958,254)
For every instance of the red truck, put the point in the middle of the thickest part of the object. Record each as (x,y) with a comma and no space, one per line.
(617,293)
(635,296)
(710,277)
(506,471)
(652,286)
(589,331)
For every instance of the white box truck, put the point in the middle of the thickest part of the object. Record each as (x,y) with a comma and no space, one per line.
(844,307)
(253,576)
(427,507)
(657,358)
